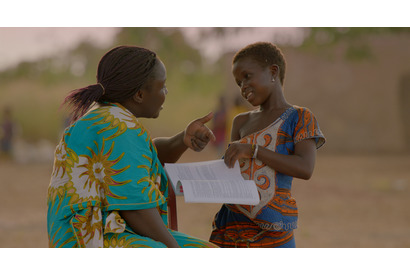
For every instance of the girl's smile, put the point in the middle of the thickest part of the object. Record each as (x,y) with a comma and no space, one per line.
(253,80)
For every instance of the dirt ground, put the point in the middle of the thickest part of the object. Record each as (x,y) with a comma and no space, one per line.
(351,201)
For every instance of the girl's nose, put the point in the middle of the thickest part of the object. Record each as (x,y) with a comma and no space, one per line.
(243,84)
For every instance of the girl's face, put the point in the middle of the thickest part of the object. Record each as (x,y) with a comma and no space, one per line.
(154,91)
(253,80)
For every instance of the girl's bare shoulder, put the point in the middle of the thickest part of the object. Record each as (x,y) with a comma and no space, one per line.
(242,118)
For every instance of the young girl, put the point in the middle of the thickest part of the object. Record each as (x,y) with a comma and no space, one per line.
(273,144)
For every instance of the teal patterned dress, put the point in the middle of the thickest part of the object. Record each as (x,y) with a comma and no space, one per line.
(106,162)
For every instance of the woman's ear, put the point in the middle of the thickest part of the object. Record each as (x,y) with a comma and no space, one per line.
(138,97)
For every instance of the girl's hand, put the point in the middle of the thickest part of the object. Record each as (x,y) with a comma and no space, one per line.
(197,135)
(237,151)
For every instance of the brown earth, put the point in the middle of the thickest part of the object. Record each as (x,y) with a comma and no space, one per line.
(351,201)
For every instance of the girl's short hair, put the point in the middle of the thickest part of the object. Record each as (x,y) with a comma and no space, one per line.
(265,54)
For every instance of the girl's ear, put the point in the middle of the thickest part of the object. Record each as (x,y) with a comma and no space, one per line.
(138,97)
(274,69)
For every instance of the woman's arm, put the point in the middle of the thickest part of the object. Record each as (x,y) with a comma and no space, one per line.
(148,223)
(195,136)
(170,149)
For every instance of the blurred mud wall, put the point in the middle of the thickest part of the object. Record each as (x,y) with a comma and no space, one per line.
(362,106)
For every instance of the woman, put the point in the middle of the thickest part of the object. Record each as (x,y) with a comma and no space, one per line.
(108,186)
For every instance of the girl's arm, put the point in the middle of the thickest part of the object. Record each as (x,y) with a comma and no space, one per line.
(195,136)
(148,223)
(300,165)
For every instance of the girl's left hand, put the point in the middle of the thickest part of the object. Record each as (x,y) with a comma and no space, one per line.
(237,151)
(197,135)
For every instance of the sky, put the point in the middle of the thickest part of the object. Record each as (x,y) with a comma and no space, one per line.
(30,44)
(98,21)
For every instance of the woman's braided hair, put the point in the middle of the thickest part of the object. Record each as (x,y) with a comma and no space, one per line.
(121,73)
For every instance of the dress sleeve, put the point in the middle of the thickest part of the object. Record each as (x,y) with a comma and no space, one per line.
(136,183)
(307,127)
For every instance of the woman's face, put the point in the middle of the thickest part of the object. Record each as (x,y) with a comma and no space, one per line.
(253,80)
(154,91)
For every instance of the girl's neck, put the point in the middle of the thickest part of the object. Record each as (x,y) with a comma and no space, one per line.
(275,102)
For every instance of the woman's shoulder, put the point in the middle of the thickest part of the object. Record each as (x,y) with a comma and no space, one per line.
(114,114)
(114,120)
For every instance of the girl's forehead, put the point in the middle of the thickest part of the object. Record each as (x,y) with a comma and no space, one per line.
(246,63)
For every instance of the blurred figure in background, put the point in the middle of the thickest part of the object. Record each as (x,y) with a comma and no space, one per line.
(219,126)
(8,129)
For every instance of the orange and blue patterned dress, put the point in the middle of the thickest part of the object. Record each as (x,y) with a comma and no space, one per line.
(272,221)
(106,162)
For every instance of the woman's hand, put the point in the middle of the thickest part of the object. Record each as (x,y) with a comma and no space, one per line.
(197,135)
(237,151)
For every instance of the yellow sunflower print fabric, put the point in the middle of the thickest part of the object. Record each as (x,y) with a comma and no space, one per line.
(106,162)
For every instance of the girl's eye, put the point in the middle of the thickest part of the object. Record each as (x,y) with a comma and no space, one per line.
(245,77)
